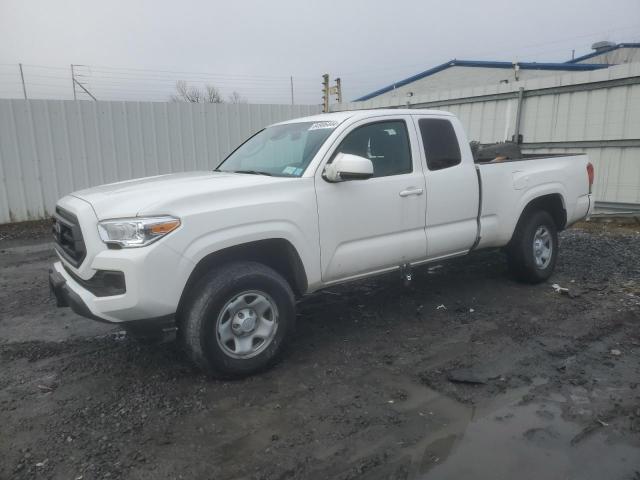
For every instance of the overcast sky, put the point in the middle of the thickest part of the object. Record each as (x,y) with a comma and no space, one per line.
(137,49)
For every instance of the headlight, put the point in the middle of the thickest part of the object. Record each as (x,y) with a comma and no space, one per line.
(136,232)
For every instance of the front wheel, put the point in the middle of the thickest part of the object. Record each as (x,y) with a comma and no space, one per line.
(533,250)
(238,319)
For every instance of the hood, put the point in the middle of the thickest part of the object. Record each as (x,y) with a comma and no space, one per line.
(144,195)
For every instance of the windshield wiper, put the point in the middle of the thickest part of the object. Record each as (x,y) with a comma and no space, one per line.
(252,172)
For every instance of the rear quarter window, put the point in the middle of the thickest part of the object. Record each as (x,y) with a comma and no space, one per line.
(440,142)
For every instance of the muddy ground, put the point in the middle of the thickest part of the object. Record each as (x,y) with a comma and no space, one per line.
(464,374)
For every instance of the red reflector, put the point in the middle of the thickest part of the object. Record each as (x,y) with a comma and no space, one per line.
(591,174)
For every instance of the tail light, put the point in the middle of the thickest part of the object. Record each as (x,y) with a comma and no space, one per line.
(591,175)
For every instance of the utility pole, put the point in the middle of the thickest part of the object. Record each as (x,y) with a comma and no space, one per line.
(337,90)
(325,92)
(291,78)
(24,89)
(73,83)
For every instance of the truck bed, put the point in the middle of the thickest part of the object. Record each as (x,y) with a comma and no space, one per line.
(506,152)
(507,187)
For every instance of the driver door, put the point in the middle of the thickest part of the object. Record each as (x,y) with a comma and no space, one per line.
(379,223)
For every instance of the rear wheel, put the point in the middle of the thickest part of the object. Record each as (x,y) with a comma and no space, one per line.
(238,319)
(533,250)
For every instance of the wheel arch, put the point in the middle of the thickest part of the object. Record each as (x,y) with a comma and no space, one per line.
(552,203)
(276,253)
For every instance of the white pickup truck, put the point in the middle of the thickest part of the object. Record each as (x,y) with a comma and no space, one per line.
(222,255)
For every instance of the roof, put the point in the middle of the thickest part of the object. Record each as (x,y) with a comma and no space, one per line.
(485,64)
(320,117)
(340,117)
(604,50)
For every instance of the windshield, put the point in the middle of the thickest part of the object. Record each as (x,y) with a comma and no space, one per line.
(280,150)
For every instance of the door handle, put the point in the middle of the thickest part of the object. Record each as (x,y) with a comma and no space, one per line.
(411,191)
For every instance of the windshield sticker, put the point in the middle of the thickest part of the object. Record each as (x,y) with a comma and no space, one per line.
(298,172)
(289,170)
(327,124)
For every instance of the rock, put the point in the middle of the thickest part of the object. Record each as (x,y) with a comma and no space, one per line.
(615,352)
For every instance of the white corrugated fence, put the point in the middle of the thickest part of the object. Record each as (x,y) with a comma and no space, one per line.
(49,148)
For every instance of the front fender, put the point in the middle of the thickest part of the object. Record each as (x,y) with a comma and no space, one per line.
(216,240)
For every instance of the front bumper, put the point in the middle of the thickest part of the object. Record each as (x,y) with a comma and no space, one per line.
(152,291)
(158,327)
(149,287)
(66,297)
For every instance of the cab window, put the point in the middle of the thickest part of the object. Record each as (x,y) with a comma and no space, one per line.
(386,144)
(440,143)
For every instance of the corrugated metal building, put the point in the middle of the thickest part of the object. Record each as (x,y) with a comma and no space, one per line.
(597,112)
(611,53)
(468,73)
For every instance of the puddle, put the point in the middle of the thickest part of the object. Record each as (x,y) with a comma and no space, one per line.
(526,442)
(405,426)
(504,439)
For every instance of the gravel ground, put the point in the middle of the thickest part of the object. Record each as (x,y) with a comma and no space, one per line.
(14,233)
(463,374)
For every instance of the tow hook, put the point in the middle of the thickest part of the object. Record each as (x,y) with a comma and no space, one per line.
(406,274)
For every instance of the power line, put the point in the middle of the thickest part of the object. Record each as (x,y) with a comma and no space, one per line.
(120,82)
(178,72)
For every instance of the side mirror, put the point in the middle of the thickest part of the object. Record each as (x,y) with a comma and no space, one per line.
(348,167)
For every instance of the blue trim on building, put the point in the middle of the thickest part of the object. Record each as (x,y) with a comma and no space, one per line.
(568,67)
(607,50)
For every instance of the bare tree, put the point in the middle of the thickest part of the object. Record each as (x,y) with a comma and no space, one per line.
(213,95)
(235,97)
(186,93)
(190,94)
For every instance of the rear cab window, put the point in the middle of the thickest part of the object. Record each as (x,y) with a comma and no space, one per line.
(440,143)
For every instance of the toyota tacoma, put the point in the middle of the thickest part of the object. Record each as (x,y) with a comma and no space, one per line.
(221,256)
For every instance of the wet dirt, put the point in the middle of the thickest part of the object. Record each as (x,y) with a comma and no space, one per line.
(463,374)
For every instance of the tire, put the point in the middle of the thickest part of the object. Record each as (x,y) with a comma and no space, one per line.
(238,319)
(531,263)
